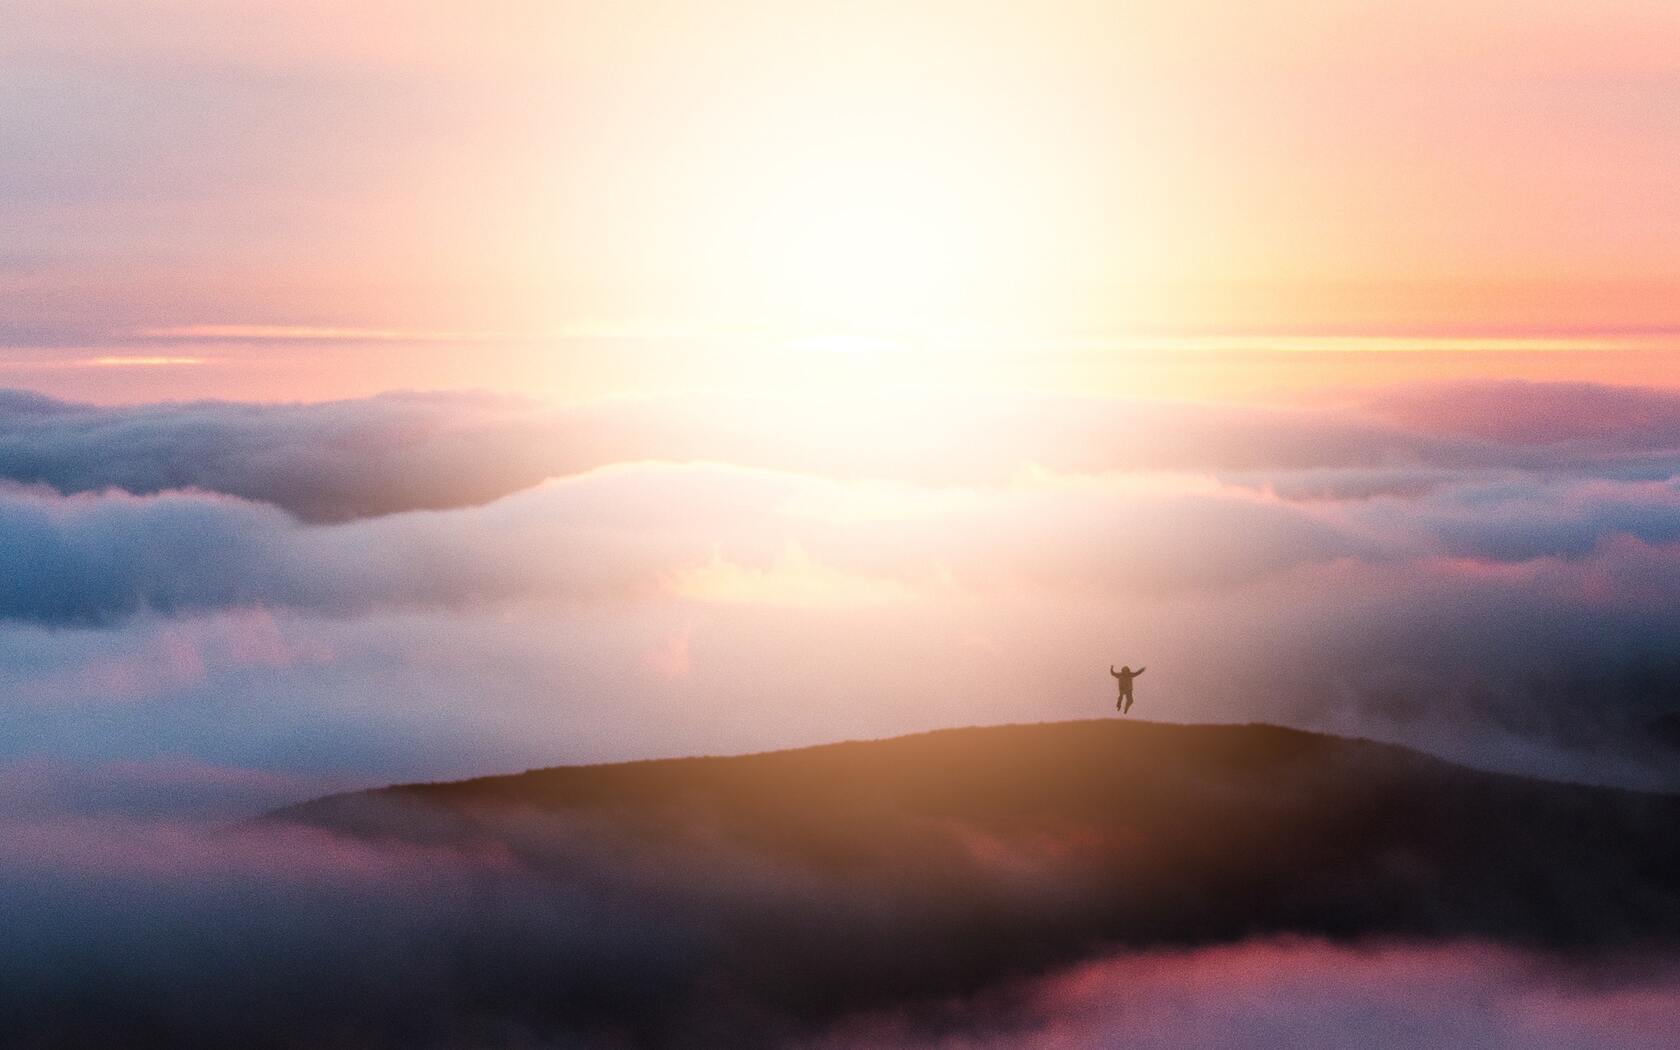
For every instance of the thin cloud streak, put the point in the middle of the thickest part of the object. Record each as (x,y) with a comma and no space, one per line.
(143,361)
(266,333)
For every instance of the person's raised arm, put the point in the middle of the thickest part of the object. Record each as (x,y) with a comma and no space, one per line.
(1139,671)
(1112,671)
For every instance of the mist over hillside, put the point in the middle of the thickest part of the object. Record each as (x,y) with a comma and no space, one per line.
(813,884)
(1075,883)
(1155,833)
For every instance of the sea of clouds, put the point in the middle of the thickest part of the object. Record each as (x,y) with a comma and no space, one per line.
(429,585)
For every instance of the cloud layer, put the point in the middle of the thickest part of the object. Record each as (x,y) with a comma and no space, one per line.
(1302,994)
(336,461)
(1464,567)
(161,935)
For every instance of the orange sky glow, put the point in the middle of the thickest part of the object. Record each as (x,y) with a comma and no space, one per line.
(574,200)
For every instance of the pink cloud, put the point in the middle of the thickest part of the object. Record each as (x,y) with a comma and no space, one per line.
(1301,994)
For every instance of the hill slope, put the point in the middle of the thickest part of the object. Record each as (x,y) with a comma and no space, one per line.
(853,875)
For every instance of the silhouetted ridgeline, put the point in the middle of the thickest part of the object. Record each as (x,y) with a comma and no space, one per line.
(767,899)
(1006,848)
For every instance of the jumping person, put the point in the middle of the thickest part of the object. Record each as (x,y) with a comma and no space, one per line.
(1124,676)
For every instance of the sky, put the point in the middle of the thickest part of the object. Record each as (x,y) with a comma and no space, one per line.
(575,200)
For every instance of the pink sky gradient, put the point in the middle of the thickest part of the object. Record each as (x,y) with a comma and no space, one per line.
(761,172)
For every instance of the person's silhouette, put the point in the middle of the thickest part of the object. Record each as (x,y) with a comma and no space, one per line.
(1124,676)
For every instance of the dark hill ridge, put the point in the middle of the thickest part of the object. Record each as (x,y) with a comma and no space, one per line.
(863,874)
(1283,829)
